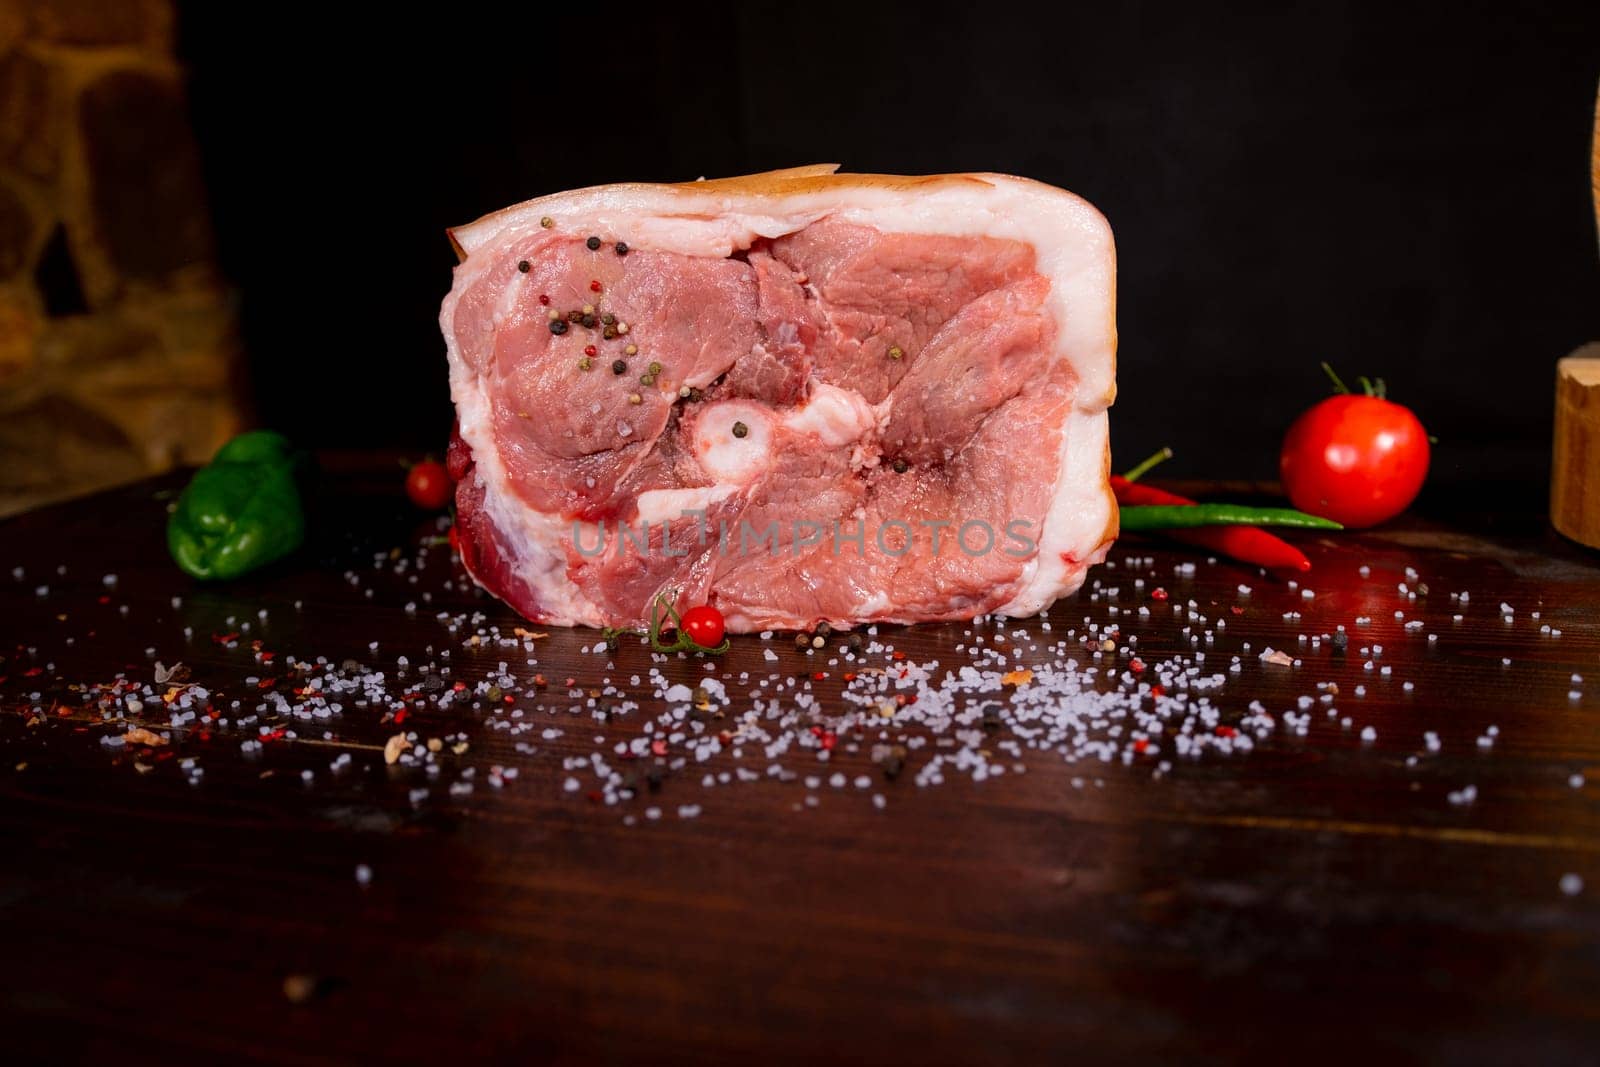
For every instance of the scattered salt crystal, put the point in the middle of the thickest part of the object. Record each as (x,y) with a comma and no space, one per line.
(1571,884)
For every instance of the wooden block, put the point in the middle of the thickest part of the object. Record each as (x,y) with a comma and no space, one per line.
(1575,471)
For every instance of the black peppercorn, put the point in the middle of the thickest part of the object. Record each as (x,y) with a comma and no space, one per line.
(558,327)
(622,249)
(901,466)
(593,243)
(740,429)
(589,321)
(619,366)
(524,266)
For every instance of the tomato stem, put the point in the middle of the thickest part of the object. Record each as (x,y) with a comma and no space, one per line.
(1142,469)
(1338,385)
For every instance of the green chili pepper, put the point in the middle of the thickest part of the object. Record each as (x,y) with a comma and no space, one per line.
(1177,517)
(241,511)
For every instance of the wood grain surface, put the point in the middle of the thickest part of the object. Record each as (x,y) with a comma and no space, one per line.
(1317,897)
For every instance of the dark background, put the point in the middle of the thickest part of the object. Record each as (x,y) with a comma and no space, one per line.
(1404,192)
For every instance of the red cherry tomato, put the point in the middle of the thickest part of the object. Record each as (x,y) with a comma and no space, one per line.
(704,625)
(428,485)
(1357,460)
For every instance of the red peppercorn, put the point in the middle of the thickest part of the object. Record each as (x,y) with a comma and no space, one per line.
(589,350)
(594,287)
(544,299)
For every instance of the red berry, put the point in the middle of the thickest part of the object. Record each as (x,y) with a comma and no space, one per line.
(704,625)
(428,485)
(1359,460)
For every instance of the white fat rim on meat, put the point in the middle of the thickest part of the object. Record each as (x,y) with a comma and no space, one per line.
(535,543)
(1075,252)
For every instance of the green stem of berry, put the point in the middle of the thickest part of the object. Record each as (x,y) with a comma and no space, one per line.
(1338,384)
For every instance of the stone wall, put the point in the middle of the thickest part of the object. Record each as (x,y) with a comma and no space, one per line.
(119,355)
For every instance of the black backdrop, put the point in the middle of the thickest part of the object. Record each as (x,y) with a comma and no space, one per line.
(1402,190)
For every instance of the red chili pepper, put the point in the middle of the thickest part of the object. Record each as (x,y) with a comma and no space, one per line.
(1248,544)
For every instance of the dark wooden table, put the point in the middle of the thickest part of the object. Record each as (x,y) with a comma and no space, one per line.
(1316,897)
